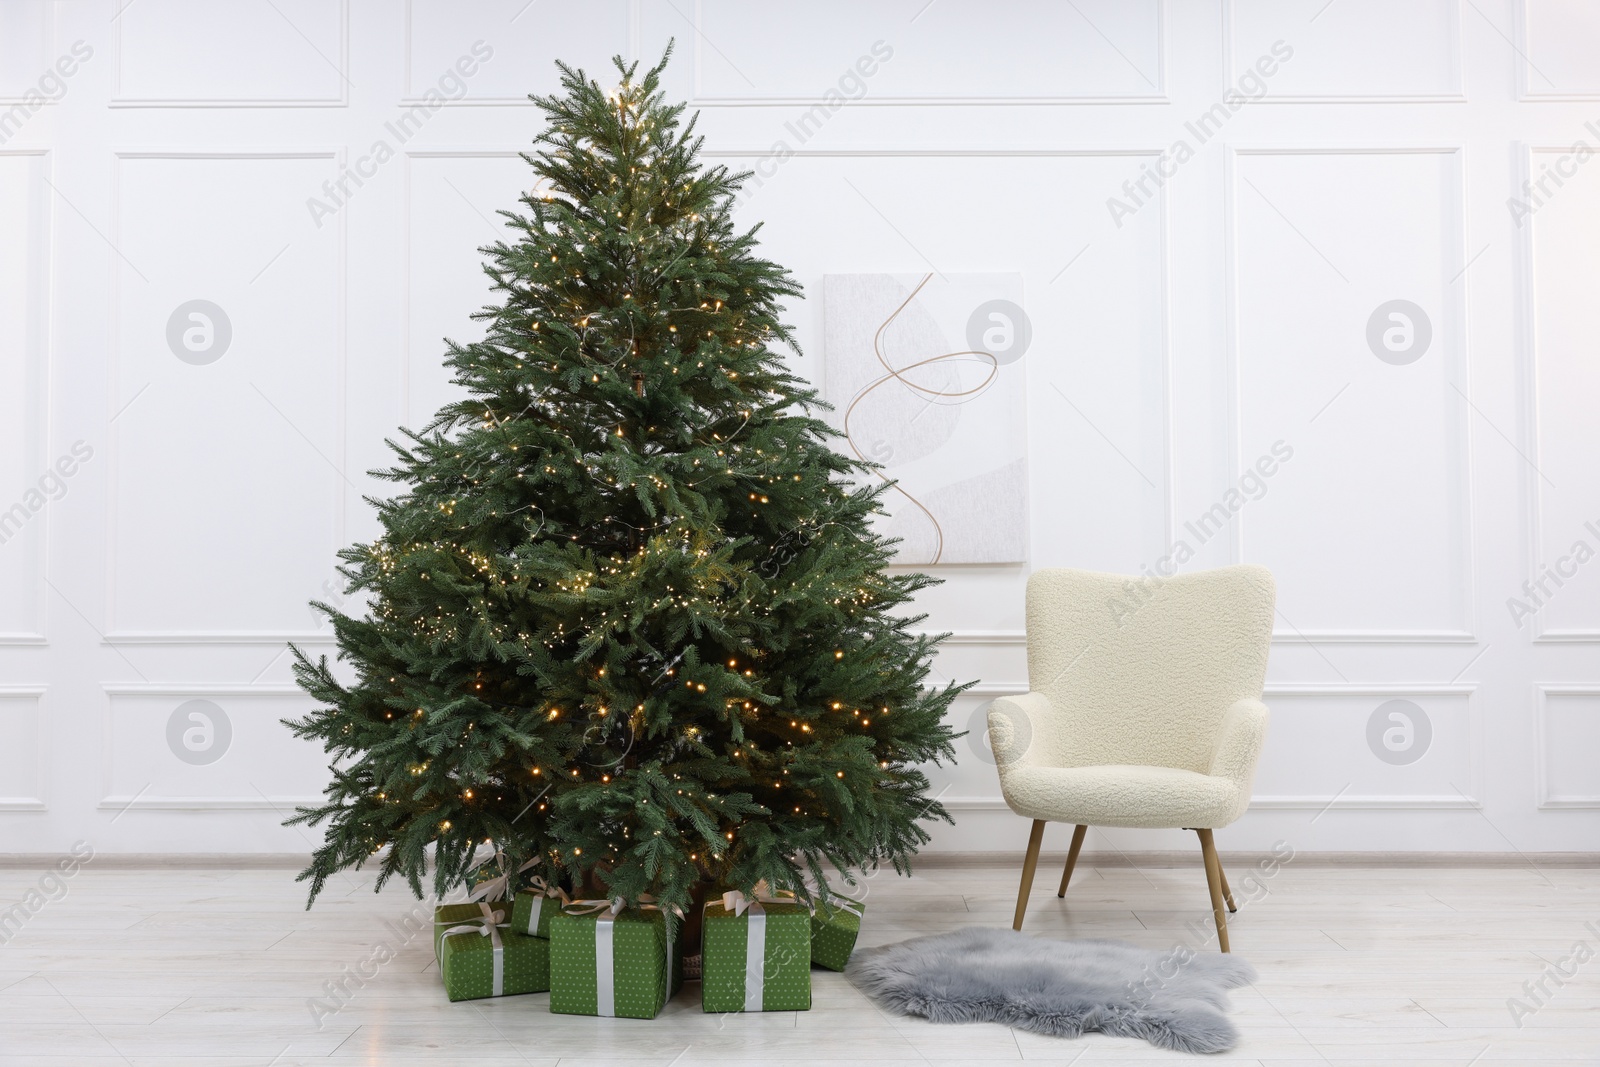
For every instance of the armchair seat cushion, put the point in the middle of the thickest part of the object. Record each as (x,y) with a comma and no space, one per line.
(1116,795)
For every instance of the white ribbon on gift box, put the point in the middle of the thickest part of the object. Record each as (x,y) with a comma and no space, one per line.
(858,908)
(837,902)
(542,891)
(604,929)
(500,885)
(496,909)
(490,929)
(604,963)
(736,902)
(755,946)
(755,959)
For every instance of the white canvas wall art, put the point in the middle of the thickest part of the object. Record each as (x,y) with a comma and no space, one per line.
(925,373)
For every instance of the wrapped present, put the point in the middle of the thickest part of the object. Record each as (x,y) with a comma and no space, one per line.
(756,953)
(490,881)
(609,960)
(447,915)
(486,958)
(834,929)
(533,907)
(484,879)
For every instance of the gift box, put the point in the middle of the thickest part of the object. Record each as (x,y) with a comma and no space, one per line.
(482,875)
(485,959)
(533,907)
(447,915)
(834,929)
(607,960)
(492,881)
(755,954)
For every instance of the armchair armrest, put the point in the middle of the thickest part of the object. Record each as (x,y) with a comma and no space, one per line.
(1244,728)
(1020,729)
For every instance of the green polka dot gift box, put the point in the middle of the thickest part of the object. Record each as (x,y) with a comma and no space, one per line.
(447,915)
(755,954)
(492,960)
(612,961)
(834,929)
(533,908)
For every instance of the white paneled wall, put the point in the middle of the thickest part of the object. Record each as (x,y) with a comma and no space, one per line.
(232,237)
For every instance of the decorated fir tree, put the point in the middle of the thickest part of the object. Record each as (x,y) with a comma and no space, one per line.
(627,618)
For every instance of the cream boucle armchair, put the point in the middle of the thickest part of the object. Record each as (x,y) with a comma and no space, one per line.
(1145,711)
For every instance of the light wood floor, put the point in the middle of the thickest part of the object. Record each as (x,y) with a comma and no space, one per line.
(1358,966)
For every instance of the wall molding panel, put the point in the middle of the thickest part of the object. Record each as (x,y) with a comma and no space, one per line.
(1453,223)
(553,43)
(1537,79)
(324,59)
(1342,798)
(1361,40)
(327,461)
(27,374)
(1541,371)
(152,795)
(24,760)
(189,639)
(18,76)
(1547,798)
(704,36)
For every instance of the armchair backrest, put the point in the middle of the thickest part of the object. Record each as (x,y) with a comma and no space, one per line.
(1141,670)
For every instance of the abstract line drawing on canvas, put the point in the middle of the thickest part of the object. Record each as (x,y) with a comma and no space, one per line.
(943,419)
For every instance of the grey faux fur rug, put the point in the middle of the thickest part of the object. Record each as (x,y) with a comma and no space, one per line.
(1173,999)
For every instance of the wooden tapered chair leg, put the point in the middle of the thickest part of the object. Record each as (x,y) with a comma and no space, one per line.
(1227,894)
(1035,839)
(1208,850)
(1072,858)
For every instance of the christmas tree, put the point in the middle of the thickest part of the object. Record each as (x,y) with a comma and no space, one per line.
(628,619)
